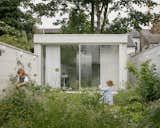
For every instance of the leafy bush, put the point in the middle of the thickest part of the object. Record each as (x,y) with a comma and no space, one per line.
(18,110)
(44,107)
(152,117)
(131,106)
(35,107)
(127,96)
(147,80)
(20,42)
(6,29)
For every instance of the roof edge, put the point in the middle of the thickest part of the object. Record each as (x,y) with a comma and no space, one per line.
(80,38)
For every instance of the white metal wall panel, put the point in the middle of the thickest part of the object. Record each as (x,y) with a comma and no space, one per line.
(53,66)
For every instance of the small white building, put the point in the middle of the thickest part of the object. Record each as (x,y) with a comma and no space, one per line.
(112,57)
(11,59)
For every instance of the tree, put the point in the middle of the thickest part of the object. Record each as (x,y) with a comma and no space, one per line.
(118,26)
(77,23)
(89,7)
(17,14)
(97,12)
(137,18)
(17,22)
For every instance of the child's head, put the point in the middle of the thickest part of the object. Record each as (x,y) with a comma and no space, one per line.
(21,72)
(109,83)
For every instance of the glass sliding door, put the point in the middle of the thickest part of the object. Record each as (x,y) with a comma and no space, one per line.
(69,75)
(109,69)
(80,66)
(89,66)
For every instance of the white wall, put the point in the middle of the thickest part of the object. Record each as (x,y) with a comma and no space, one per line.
(53,66)
(122,66)
(131,50)
(109,65)
(152,54)
(13,58)
(39,52)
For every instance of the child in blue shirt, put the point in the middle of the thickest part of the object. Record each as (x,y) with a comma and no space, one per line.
(106,92)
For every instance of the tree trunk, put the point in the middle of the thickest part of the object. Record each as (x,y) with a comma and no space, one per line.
(98,22)
(92,16)
(98,29)
(104,18)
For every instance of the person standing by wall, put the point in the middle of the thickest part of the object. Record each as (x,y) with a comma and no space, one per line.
(22,79)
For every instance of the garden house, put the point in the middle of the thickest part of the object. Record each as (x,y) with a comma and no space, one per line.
(81,60)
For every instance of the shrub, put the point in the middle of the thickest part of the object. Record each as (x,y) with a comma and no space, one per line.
(131,106)
(129,96)
(48,108)
(6,29)
(152,117)
(44,107)
(18,111)
(147,80)
(20,42)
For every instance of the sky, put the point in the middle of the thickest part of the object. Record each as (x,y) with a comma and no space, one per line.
(48,22)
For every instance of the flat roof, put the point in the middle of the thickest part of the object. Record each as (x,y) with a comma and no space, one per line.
(110,39)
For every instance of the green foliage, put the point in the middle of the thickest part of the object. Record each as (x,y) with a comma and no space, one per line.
(16,22)
(44,107)
(128,96)
(135,18)
(20,42)
(34,107)
(155,116)
(6,29)
(18,110)
(13,16)
(147,80)
(137,112)
(97,13)
(51,7)
(118,26)
(152,117)
(77,23)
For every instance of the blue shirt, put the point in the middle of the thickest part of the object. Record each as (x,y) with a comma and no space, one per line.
(107,96)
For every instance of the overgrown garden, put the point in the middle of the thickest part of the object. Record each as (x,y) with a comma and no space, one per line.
(44,107)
